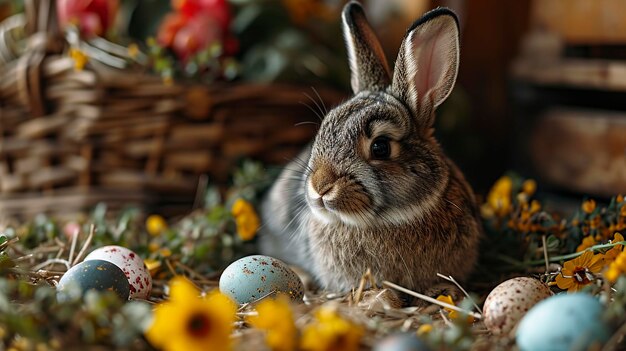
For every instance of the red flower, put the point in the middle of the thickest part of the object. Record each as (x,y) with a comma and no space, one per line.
(195,25)
(93,17)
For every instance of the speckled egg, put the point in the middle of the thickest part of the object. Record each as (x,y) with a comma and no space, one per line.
(93,275)
(508,302)
(131,264)
(563,322)
(252,277)
(401,342)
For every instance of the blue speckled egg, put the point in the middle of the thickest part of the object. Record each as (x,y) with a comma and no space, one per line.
(561,323)
(253,277)
(93,275)
(401,342)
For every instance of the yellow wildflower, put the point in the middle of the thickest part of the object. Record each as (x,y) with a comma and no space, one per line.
(133,50)
(246,218)
(155,225)
(79,57)
(165,252)
(152,265)
(330,332)
(276,318)
(619,198)
(579,272)
(188,322)
(424,329)
(588,242)
(529,187)
(499,198)
(589,206)
(452,313)
(612,254)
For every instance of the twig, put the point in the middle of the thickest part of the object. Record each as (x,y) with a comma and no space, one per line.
(81,253)
(51,261)
(170,267)
(545,252)
(452,280)
(73,246)
(615,340)
(431,300)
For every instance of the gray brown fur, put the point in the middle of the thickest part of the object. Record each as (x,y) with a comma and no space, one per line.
(337,211)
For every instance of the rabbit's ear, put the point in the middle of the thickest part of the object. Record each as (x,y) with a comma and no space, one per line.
(368,65)
(428,63)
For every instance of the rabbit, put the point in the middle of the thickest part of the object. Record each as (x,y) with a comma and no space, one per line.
(374,189)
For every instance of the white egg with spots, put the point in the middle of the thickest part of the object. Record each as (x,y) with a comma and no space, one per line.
(508,302)
(131,264)
(254,277)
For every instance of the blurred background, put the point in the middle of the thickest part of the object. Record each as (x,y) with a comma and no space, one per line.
(540,91)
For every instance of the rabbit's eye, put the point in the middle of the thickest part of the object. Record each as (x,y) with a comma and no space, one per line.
(380,148)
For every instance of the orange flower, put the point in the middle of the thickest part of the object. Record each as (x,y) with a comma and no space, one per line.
(588,242)
(612,254)
(589,206)
(579,272)
(529,187)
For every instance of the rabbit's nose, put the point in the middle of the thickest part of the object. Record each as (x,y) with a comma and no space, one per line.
(323,179)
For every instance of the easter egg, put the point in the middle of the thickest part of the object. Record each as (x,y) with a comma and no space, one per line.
(508,302)
(401,342)
(563,322)
(253,277)
(93,275)
(131,264)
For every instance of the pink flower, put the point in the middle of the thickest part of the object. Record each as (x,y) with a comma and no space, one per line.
(93,17)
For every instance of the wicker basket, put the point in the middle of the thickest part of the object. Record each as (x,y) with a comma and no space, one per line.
(113,133)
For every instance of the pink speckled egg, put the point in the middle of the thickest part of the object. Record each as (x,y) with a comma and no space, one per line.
(508,302)
(131,264)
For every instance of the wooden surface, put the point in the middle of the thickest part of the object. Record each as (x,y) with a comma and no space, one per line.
(581,150)
(582,21)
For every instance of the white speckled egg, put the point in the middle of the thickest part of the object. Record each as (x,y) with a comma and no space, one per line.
(131,264)
(563,322)
(252,277)
(508,302)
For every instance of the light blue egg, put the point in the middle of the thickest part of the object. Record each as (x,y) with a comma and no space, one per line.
(563,322)
(401,342)
(253,277)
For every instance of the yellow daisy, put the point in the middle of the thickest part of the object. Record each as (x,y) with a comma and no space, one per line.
(579,272)
(276,318)
(588,206)
(188,322)
(612,254)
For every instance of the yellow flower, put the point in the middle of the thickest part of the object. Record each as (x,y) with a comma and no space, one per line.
(133,50)
(155,225)
(588,242)
(276,318)
(579,271)
(246,218)
(452,313)
(330,332)
(80,59)
(612,254)
(499,197)
(588,206)
(529,187)
(152,265)
(619,198)
(424,329)
(165,252)
(188,322)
